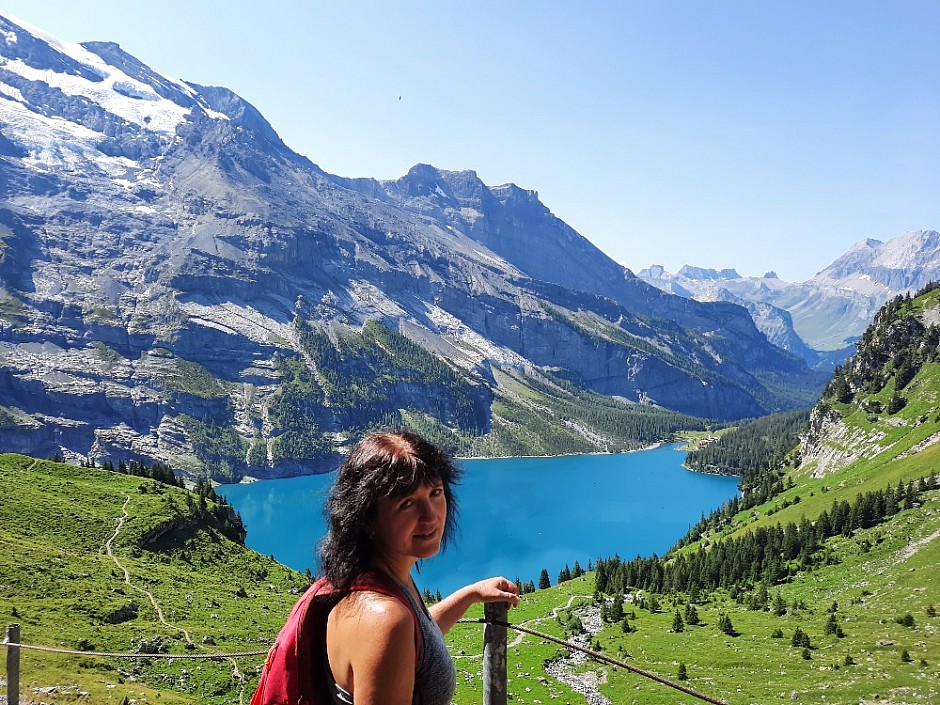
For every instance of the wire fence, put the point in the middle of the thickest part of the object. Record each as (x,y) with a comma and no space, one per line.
(497,661)
(110,654)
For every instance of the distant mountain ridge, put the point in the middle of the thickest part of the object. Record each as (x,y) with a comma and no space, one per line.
(827,312)
(177,284)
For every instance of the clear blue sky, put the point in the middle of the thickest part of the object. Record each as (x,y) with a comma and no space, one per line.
(755,135)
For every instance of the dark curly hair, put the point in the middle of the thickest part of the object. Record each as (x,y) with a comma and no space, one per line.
(381,465)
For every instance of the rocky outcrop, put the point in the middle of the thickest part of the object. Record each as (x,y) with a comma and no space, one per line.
(830,444)
(124,614)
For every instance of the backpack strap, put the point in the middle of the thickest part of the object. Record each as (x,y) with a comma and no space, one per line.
(293,671)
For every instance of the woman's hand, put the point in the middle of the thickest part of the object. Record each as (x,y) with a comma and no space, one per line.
(453,607)
(497,590)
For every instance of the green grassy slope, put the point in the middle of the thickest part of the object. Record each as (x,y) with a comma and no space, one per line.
(58,582)
(60,585)
(881,575)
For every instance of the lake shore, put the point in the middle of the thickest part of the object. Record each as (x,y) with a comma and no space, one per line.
(652,446)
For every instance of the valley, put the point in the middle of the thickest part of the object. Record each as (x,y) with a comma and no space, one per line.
(187,301)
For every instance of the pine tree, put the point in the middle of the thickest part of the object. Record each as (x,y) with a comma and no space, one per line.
(677,624)
(691,615)
(544,581)
(906,621)
(683,674)
(600,577)
(725,625)
(615,611)
(801,638)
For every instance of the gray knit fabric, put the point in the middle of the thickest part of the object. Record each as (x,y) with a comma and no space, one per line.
(436,678)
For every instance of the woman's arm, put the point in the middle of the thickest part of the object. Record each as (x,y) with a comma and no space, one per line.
(453,607)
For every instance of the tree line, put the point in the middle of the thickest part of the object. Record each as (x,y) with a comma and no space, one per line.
(752,449)
(768,555)
(161,472)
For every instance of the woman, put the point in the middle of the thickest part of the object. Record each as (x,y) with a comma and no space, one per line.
(392,505)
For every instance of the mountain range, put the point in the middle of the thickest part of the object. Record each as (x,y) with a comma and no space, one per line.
(177,284)
(822,318)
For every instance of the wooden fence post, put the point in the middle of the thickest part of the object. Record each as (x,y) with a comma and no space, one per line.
(12,641)
(494,653)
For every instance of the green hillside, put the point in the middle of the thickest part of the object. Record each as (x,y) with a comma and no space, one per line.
(59,583)
(61,586)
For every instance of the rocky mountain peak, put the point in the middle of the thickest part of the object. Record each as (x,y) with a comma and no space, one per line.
(41,52)
(704,274)
(427,181)
(872,267)
(239,111)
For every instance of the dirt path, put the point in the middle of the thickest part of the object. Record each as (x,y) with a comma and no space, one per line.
(109,546)
(520,635)
(913,548)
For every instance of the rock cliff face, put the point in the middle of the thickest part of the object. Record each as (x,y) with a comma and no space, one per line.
(879,398)
(177,284)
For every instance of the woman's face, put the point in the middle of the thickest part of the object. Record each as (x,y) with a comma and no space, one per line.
(411,526)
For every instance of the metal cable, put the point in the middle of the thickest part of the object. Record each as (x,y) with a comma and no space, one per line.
(597,656)
(75,652)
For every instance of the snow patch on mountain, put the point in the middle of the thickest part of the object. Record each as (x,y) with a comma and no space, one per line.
(11,92)
(52,142)
(154,113)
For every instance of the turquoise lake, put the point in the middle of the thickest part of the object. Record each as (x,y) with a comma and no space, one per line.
(517,515)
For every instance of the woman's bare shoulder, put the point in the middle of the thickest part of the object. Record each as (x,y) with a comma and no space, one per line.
(373,611)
